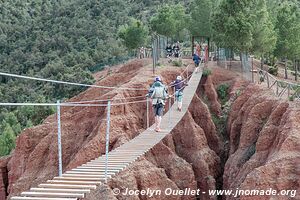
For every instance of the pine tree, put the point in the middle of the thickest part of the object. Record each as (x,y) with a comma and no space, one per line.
(7,140)
(264,35)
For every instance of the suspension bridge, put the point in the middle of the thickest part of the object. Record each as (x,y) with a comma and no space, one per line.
(80,181)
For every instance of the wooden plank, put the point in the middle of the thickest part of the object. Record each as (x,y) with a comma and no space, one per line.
(40,198)
(68,186)
(46,194)
(92,173)
(77,178)
(75,182)
(95,170)
(60,190)
(100,167)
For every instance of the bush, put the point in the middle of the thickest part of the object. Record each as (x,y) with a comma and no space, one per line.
(222,91)
(273,70)
(177,63)
(206,72)
(291,98)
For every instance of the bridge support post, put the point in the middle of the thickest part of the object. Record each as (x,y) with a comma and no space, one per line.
(170,112)
(147,114)
(107,139)
(59,139)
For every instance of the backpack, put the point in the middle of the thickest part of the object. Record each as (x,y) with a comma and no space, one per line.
(159,94)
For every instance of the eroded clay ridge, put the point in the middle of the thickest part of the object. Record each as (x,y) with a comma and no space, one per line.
(264,137)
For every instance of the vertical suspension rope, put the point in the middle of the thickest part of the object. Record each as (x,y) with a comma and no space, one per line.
(59,139)
(107,139)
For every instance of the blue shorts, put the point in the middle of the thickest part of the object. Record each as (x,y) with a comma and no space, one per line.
(158,109)
(178,96)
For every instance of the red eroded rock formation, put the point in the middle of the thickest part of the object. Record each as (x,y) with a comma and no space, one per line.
(183,160)
(263,135)
(3,177)
(264,144)
(83,129)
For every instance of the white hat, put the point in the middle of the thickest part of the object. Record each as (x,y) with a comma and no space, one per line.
(179,78)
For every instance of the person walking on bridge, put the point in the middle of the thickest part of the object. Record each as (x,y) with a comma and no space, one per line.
(179,85)
(158,96)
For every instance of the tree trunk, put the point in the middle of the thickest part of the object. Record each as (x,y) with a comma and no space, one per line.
(285,69)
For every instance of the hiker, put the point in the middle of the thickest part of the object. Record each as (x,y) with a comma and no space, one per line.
(169,52)
(261,77)
(179,85)
(197,60)
(176,50)
(198,49)
(158,101)
(142,53)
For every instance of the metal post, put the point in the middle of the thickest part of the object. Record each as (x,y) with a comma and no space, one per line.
(170,112)
(59,139)
(187,72)
(153,56)
(147,112)
(107,139)
(252,70)
(174,94)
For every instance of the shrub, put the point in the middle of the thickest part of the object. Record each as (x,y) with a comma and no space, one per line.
(206,72)
(273,70)
(177,63)
(222,91)
(291,98)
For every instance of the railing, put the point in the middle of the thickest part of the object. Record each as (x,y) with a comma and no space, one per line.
(280,87)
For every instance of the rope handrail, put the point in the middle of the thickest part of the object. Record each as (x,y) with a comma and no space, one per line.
(67,82)
(104,100)
(67,104)
(77,104)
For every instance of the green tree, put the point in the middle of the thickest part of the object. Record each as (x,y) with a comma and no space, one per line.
(200,18)
(232,25)
(264,35)
(287,26)
(170,21)
(163,22)
(7,140)
(133,35)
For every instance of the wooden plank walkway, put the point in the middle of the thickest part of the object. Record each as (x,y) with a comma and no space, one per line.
(77,182)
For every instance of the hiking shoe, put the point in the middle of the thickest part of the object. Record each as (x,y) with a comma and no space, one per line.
(158,130)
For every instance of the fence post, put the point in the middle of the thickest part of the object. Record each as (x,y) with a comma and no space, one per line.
(107,138)
(147,112)
(289,90)
(59,139)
